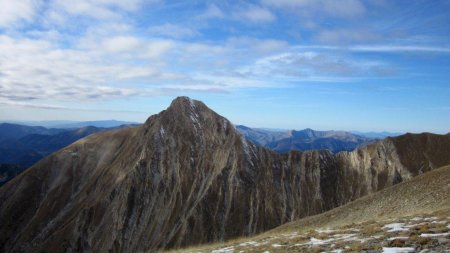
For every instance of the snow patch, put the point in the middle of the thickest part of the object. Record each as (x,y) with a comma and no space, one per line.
(395,227)
(398,238)
(315,241)
(249,243)
(398,250)
(439,222)
(225,125)
(194,116)
(325,230)
(224,250)
(247,147)
(434,235)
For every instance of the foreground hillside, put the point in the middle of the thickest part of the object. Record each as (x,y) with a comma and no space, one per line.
(407,217)
(187,177)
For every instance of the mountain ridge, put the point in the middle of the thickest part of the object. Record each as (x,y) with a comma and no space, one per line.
(185,177)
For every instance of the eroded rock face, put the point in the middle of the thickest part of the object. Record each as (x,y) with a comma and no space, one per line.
(186,177)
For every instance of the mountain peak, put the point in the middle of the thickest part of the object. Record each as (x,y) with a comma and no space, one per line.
(185,106)
(189,117)
(181,99)
(184,101)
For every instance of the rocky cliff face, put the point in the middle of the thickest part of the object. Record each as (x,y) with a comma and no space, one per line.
(185,177)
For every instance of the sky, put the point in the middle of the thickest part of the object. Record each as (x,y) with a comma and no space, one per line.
(367,65)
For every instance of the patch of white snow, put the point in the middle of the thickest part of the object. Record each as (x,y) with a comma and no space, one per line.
(398,238)
(395,227)
(224,250)
(398,250)
(249,243)
(325,230)
(434,235)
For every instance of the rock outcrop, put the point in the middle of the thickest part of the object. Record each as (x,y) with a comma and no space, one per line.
(185,177)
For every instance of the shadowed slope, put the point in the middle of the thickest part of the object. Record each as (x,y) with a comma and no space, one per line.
(361,222)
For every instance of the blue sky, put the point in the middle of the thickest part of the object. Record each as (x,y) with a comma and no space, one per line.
(345,65)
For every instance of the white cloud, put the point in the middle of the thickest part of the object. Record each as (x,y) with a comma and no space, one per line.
(255,14)
(288,3)
(173,31)
(313,66)
(257,45)
(344,8)
(212,12)
(85,8)
(244,13)
(129,5)
(380,48)
(96,9)
(119,66)
(401,49)
(14,11)
(59,107)
(121,44)
(156,49)
(270,45)
(34,69)
(345,36)
(341,8)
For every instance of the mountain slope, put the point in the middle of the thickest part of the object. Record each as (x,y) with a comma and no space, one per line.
(9,171)
(307,139)
(419,203)
(186,177)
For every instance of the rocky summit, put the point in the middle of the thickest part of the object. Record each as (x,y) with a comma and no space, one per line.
(185,177)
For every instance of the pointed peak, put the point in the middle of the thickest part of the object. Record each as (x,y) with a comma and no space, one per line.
(186,103)
(183,100)
(185,107)
(189,117)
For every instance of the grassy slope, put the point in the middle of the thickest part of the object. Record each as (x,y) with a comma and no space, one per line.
(423,194)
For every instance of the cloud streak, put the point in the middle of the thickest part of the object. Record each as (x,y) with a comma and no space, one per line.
(14,12)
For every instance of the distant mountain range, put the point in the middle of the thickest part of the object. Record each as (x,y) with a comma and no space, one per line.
(307,139)
(24,145)
(377,135)
(64,124)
